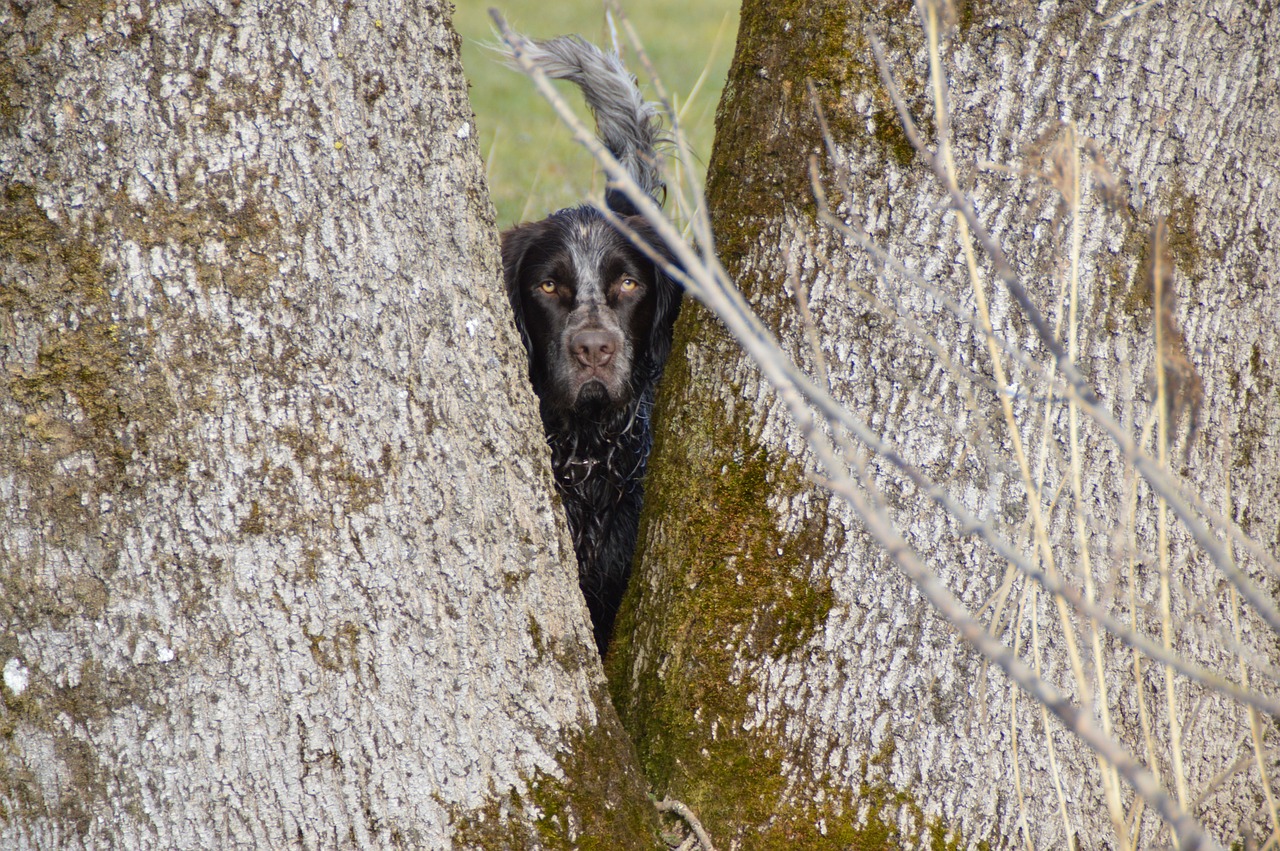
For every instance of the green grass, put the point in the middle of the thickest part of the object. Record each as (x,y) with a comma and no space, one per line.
(533,164)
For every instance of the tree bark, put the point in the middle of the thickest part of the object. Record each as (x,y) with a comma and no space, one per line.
(280,564)
(776,670)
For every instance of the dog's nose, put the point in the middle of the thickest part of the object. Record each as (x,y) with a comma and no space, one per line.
(593,347)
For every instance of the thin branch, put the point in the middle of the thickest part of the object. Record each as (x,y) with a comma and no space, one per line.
(669,805)
(1130,12)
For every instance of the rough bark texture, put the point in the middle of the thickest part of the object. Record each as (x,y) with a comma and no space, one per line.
(775,670)
(280,564)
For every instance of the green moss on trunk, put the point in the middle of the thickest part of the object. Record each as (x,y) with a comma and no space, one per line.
(85,389)
(599,805)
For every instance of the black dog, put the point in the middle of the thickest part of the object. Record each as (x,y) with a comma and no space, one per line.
(596,316)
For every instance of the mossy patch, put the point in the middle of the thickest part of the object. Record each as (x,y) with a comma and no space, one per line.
(245,236)
(1187,246)
(766,126)
(742,588)
(41,24)
(56,712)
(598,805)
(601,802)
(87,400)
(329,467)
(1125,276)
(338,651)
(572,656)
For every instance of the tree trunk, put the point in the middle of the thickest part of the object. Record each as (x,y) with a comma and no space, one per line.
(280,560)
(777,671)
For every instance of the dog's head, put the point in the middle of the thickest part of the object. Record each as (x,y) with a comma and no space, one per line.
(594,312)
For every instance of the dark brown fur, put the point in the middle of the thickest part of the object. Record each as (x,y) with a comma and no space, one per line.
(596,318)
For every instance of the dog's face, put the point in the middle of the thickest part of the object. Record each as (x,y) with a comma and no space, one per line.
(595,312)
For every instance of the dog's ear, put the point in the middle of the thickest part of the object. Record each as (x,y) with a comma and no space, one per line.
(670,293)
(618,202)
(518,244)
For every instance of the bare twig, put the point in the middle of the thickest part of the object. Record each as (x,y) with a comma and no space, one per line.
(1130,12)
(1160,277)
(669,805)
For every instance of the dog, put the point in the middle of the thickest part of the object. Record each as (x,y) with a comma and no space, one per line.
(596,315)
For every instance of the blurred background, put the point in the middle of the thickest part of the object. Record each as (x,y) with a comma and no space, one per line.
(534,166)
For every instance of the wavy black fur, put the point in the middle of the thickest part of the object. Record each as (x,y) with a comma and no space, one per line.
(596,318)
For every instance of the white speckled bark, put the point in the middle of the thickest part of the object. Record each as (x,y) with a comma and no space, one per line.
(841,679)
(279,560)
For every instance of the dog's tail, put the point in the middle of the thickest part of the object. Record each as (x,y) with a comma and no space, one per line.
(629,127)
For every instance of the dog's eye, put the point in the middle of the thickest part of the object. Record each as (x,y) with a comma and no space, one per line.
(548,287)
(629,285)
